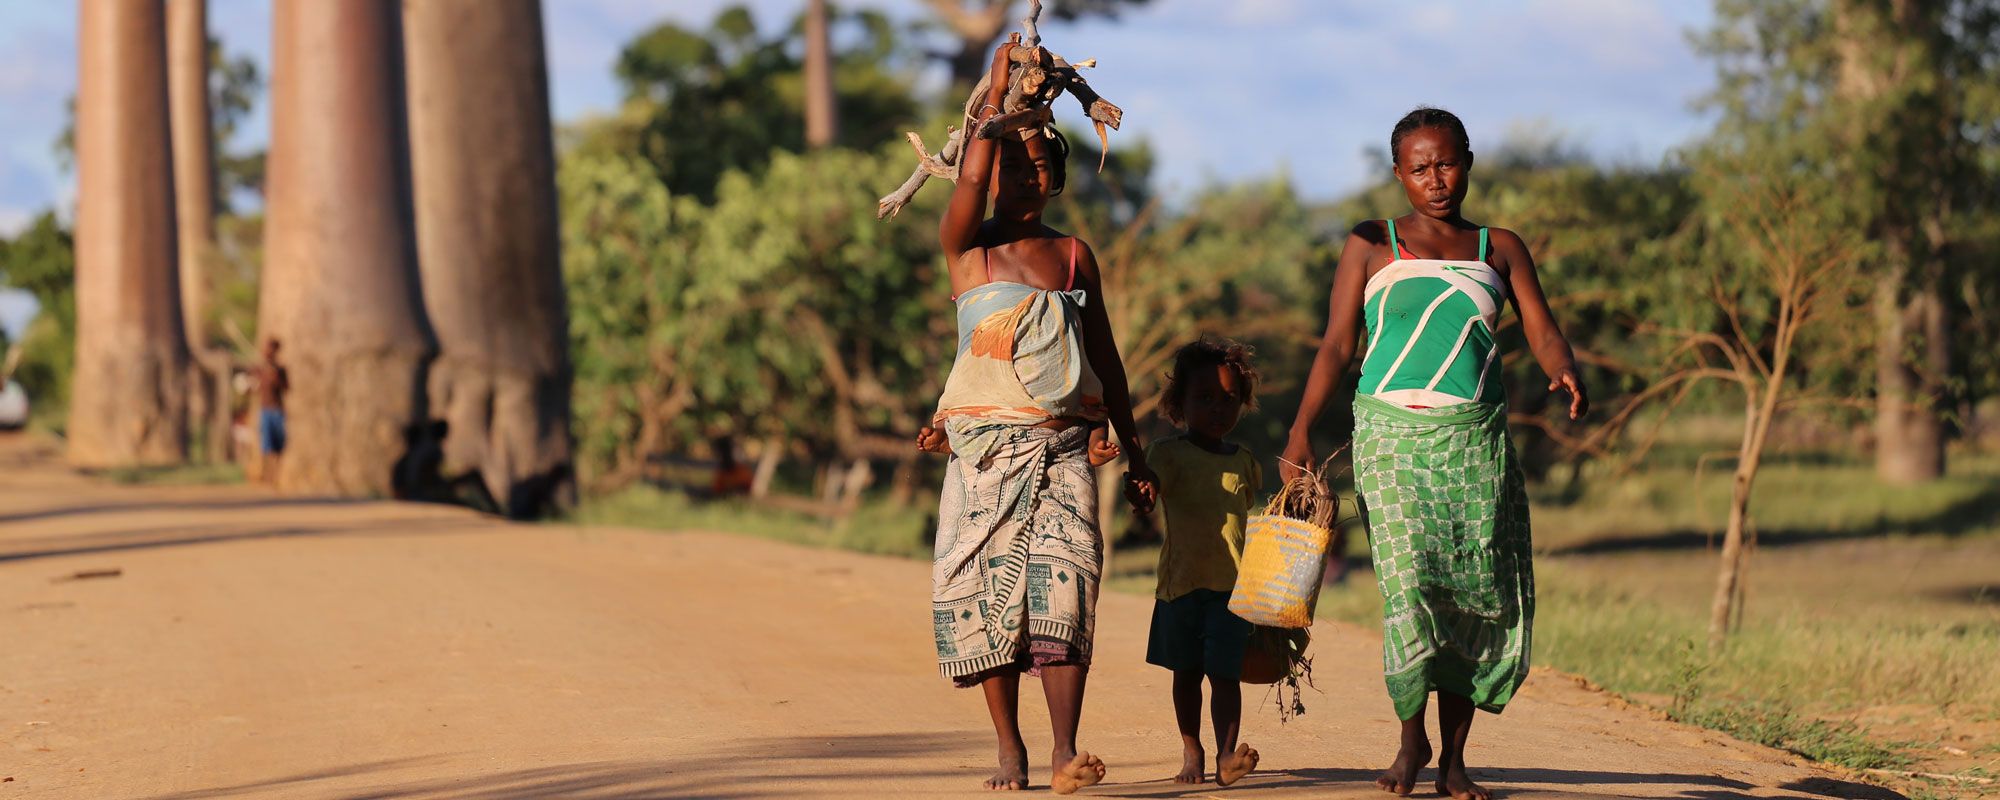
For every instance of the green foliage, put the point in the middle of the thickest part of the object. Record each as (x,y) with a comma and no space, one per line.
(702,103)
(41,261)
(783,309)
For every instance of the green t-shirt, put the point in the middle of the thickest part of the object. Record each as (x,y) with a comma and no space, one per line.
(1207,499)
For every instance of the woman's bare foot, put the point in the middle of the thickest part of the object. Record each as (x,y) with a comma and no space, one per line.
(1231,767)
(1401,776)
(1193,762)
(1013,774)
(1080,771)
(1453,781)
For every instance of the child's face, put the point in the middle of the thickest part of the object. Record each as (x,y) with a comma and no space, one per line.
(1214,401)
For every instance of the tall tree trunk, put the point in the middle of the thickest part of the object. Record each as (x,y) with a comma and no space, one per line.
(1909,435)
(340,284)
(822,116)
(484,168)
(1881,47)
(194,208)
(129,402)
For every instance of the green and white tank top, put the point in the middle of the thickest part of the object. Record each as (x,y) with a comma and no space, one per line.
(1430,330)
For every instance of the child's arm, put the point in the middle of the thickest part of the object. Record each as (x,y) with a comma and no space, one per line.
(1545,338)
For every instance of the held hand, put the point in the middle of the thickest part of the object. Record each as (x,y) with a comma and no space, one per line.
(1298,456)
(1579,400)
(1142,488)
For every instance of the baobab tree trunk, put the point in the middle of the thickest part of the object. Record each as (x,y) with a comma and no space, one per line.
(194,201)
(1910,331)
(822,120)
(340,284)
(129,404)
(484,168)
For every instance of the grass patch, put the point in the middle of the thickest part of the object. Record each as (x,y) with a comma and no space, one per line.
(875,527)
(177,475)
(1805,496)
(1841,744)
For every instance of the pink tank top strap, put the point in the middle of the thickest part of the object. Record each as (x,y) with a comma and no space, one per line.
(1072,265)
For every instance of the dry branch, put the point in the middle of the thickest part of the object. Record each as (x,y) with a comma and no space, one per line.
(1035,79)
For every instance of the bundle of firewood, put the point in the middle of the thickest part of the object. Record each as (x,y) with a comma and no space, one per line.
(1035,78)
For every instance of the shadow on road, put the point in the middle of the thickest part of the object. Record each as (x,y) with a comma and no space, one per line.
(179,535)
(189,505)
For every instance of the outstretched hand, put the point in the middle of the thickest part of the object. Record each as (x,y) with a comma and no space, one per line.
(1579,400)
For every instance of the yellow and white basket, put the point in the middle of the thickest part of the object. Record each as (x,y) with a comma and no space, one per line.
(1277,583)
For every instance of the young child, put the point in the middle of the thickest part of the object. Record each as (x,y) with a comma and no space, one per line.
(1206,488)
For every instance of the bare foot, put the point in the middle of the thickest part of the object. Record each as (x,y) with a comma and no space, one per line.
(1401,776)
(1232,767)
(1083,770)
(933,440)
(1013,774)
(1193,761)
(1453,781)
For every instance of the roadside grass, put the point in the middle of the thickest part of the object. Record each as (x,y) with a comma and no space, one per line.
(1868,637)
(177,475)
(1830,633)
(1804,496)
(876,527)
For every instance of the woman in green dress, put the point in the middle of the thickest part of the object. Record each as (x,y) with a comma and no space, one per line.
(1447,513)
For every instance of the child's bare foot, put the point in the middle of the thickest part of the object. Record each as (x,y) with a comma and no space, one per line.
(1013,774)
(1454,782)
(1104,451)
(1083,770)
(1231,767)
(1401,777)
(1193,762)
(932,440)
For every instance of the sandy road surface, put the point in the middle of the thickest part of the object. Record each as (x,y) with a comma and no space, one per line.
(263,647)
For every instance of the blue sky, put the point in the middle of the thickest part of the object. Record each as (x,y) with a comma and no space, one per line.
(1306,87)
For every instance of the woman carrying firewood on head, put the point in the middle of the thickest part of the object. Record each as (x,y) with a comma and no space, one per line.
(1015,580)
(1447,513)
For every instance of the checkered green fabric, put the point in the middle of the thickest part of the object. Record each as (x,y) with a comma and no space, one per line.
(1448,527)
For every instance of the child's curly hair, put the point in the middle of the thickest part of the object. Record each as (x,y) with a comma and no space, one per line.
(1209,351)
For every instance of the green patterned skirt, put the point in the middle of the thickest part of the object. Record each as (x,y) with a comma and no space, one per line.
(1448,528)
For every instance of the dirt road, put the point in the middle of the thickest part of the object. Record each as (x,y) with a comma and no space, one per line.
(253,646)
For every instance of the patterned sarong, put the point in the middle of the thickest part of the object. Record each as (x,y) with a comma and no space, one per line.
(1020,362)
(1448,528)
(1014,581)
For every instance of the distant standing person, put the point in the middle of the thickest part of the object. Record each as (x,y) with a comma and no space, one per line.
(1447,510)
(273,383)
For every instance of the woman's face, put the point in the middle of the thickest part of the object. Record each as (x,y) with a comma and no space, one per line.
(1435,172)
(1021,188)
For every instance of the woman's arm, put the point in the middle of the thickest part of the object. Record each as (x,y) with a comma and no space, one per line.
(1545,338)
(975,168)
(1102,349)
(1336,347)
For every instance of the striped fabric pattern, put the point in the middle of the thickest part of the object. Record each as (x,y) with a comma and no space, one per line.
(1430,326)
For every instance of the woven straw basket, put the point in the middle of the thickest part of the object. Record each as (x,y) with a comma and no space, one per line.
(1277,583)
